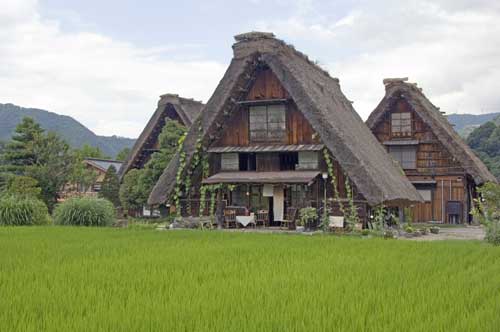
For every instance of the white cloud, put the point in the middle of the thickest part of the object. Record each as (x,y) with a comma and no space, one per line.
(108,85)
(450,48)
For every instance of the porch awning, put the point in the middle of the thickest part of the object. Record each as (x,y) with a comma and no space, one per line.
(267,148)
(262,177)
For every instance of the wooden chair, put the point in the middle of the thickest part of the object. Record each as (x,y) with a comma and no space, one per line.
(291,215)
(262,217)
(229,218)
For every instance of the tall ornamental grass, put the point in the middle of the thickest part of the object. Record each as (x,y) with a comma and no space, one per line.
(85,212)
(21,211)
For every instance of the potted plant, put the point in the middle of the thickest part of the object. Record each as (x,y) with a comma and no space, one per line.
(307,216)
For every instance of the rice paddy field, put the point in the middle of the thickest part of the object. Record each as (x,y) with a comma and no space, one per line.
(88,279)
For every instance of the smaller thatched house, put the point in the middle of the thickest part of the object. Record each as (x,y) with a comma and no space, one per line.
(277,135)
(170,106)
(434,157)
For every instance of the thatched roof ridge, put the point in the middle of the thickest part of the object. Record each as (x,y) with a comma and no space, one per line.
(433,117)
(326,108)
(187,109)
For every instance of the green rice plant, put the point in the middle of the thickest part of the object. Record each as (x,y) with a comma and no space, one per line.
(85,212)
(21,211)
(116,279)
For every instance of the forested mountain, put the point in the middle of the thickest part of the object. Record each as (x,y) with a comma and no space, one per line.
(485,141)
(466,123)
(68,128)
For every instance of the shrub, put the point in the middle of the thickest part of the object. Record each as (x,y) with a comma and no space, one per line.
(307,215)
(409,229)
(85,212)
(434,230)
(365,232)
(424,231)
(388,234)
(493,234)
(19,211)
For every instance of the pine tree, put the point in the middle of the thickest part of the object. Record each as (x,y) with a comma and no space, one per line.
(110,187)
(19,153)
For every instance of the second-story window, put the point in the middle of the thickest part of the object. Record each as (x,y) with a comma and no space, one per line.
(267,123)
(401,124)
(405,155)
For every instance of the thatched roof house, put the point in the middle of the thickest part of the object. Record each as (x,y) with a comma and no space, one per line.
(434,157)
(395,89)
(324,106)
(170,106)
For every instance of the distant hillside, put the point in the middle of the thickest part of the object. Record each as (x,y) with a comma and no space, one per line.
(466,123)
(71,130)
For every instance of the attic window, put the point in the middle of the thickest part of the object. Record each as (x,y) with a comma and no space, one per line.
(401,124)
(267,123)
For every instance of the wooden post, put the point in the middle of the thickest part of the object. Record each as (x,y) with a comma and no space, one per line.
(219,210)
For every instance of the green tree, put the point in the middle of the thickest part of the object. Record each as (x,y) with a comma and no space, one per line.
(168,141)
(110,187)
(19,153)
(131,193)
(23,186)
(492,145)
(82,176)
(54,163)
(123,154)
(480,135)
(487,211)
(137,184)
(87,151)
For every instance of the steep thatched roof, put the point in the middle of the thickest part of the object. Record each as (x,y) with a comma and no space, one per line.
(319,97)
(169,104)
(430,114)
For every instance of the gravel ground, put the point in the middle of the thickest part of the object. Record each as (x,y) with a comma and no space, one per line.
(455,233)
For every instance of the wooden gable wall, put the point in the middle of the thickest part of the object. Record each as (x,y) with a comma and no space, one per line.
(267,87)
(432,157)
(434,163)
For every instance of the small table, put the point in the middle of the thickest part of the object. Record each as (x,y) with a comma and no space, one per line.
(245,220)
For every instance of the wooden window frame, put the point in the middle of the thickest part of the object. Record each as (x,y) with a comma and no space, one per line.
(268,137)
(398,150)
(400,132)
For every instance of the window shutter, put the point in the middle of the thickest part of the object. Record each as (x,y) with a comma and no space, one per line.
(230,162)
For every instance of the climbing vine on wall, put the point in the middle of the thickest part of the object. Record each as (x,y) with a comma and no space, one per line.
(331,173)
(352,217)
(178,178)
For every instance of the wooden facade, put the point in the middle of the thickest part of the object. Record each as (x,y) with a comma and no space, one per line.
(436,174)
(274,113)
(267,90)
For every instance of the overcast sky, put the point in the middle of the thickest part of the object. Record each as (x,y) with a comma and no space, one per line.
(106,62)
